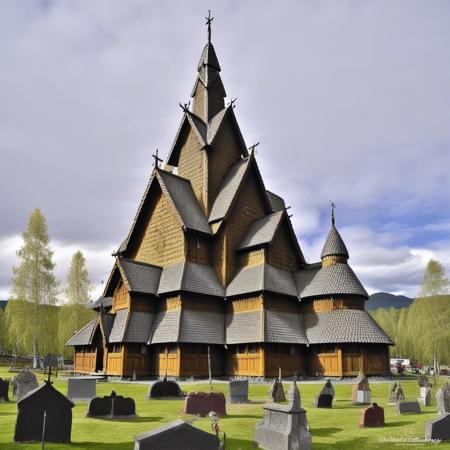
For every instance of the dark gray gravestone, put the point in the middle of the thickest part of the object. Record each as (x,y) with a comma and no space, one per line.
(443,400)
(328,389)
(24,382)
(178,434)
(408,408)
(81,388)
(284,427)
(111,406)
(323,401)
(30,417)
(4,389)
(50,361)
(123,406)
(99,406)
(164,388)
(238,391)
(438,428)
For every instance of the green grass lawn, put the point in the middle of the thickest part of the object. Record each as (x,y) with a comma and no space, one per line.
(335,428)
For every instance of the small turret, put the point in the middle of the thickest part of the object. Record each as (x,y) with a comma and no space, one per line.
(334,251)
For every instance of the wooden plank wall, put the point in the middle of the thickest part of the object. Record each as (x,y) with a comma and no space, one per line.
(163,242)
(221,157)
(281,253)
(192,165)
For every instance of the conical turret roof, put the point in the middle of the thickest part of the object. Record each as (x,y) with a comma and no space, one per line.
(334,245)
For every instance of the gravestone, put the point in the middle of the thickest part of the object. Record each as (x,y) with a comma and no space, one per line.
(99,406)
(30,417)
(443,400)
(423,381)
(50,361)
(408,408)
(4,390)
(123,406)
(24,382)
(276,392)
(171,436)
(373,416)
(323,401)
(328,389)
(202,403)
(361,393)
(238,391)
(438,428)
(425,396)
(112,406)
(284,427)
(81,388)
(396,393)
(164,388)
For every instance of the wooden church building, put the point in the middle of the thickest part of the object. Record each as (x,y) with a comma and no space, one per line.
(212,261)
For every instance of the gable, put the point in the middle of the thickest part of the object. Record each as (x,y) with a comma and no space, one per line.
(282,252)
(250,204)
(162,239)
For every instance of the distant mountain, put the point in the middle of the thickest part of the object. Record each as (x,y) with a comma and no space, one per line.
(385,300)
(3,304)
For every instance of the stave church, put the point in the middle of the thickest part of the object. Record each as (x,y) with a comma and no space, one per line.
(212,266)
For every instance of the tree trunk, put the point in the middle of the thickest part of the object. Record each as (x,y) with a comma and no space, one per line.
(36,359)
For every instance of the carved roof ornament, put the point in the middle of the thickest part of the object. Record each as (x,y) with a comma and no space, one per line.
(209,19)
(333,207)
(157,159)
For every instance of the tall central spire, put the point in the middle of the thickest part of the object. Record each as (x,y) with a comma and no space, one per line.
(208,92)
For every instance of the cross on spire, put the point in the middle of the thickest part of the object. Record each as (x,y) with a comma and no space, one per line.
(209,19)
(157,159)
(333,207)
(252,147)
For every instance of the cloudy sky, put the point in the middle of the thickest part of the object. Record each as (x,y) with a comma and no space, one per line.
(350,101)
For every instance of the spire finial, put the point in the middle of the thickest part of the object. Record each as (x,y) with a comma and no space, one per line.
(333,207)
(157,159)
(209,19)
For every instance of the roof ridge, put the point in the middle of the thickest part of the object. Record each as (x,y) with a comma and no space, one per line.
(166,172)
(141,263)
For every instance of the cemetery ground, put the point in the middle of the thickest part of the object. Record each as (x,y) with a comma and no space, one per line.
(336,428)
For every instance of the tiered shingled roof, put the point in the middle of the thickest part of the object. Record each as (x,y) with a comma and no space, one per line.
(202,213)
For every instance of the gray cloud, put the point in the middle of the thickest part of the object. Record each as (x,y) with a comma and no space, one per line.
(350,101)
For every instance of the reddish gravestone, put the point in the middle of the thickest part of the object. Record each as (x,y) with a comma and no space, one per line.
(373,416)
(202,403)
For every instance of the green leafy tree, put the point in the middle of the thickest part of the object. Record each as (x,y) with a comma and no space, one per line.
(435,284)
(75,314)
(34,283)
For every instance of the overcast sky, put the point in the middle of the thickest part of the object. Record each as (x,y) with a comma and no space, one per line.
(350,101)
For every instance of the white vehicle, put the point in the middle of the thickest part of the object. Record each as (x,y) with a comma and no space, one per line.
(403,361)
